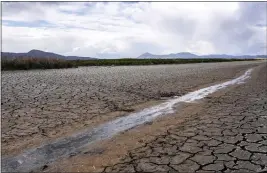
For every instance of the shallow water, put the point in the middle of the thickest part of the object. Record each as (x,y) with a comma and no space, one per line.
(35,158)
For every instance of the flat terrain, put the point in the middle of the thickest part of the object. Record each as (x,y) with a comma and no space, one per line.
(228,135)
(40,105)
(225,132)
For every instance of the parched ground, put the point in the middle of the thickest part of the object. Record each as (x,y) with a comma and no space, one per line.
(41,105)
(228,135)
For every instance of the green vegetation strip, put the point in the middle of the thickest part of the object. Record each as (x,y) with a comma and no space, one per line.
(50,63)
(34,63)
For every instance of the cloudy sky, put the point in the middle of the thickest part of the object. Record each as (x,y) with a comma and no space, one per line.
(128,29)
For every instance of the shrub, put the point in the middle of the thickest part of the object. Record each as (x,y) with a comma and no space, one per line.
(26,63)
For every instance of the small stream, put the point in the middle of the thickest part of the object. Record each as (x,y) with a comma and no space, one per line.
(34,159)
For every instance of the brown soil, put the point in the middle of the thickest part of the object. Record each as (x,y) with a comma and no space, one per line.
(115,150)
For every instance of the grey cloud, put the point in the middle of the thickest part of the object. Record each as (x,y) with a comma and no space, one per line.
(235,33)
(230,35)
(253,12)
(256,48)
(182,26)
(16,7)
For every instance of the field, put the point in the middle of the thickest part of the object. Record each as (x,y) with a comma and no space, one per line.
(41,105)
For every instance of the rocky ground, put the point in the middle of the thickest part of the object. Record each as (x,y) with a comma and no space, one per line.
(229,134)
(41,105)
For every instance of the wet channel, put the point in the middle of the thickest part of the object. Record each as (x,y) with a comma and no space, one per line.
(34,159)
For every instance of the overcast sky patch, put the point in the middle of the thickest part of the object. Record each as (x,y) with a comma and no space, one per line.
(128,29)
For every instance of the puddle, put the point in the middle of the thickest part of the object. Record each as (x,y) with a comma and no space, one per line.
(35,159)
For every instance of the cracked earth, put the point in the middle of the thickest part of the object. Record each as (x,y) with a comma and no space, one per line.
(228,135)
(41,105)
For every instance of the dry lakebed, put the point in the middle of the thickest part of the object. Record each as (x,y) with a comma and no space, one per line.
(50,118)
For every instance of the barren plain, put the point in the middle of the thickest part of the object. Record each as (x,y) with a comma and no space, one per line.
(41,105)
(227,134)
(224,132)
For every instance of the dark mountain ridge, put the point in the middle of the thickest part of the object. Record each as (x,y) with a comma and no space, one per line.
(41,54)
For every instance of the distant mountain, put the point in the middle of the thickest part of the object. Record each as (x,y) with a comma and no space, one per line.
(177,55)
(168,56)
(41,54)
(190,55)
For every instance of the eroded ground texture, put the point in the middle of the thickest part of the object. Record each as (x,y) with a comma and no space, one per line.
(38,105)
(228,135)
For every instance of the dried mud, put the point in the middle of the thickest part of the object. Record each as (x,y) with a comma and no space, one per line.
(41,105)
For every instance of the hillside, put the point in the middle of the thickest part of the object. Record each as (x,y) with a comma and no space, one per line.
(41,54)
